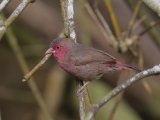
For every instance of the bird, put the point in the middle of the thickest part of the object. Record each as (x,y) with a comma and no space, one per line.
(83,62)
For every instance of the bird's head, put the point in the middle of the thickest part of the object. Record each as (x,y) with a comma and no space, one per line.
(59,47)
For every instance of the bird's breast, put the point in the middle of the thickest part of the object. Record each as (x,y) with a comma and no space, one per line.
(85,72)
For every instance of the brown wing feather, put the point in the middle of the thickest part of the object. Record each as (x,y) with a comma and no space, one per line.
(82,55)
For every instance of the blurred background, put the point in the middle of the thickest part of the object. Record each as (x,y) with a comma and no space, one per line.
(29,36)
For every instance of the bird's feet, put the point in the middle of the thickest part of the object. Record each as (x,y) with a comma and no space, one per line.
(81,90)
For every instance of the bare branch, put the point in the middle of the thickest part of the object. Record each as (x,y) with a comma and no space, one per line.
(17,11)
(154,5)
(139,22)
(107,28)
(133,18)
(122,87)
(3,4)
(154,24)
(68,16)
(28,75)
(13,16)
(105,31)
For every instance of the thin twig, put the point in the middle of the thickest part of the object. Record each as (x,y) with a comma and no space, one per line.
(133,18)
(3,4)
(122,87)
(106,26)
(139,22)
(28,75)
(154,24)
(112,42)
(113,18)
(154,33)
(13,43)
(13,16)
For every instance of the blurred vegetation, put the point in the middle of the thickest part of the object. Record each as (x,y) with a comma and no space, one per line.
(41,22)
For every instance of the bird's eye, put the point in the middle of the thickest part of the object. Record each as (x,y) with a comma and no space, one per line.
(57,47)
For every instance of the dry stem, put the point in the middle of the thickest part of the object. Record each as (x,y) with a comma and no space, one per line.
(13,16)
(122,87)
(113,17)
(28,75)
(133,19)
(107,35)
(3,4)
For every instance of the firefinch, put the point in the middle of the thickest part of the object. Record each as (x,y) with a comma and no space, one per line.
(84,62)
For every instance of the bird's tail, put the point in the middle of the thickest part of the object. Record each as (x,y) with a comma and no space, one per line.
(132,68)
(127,67)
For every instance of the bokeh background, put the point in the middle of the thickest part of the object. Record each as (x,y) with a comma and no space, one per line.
(38,25)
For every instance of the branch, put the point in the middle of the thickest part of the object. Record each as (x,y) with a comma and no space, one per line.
(122,87)
(105,31)
(154,24)
(28,75)
(3,4)
(113,17)
(112,39)
(133,18)
(154,5)
(19,55)
(68,16)
(13,16)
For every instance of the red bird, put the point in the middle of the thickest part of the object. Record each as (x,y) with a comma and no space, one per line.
(84,62)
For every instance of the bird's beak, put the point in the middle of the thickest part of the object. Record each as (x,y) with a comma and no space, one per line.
(50,51)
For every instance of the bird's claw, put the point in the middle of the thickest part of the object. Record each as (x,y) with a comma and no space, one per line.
(82,89)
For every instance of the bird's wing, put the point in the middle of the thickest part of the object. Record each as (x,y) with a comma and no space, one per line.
(82,55)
